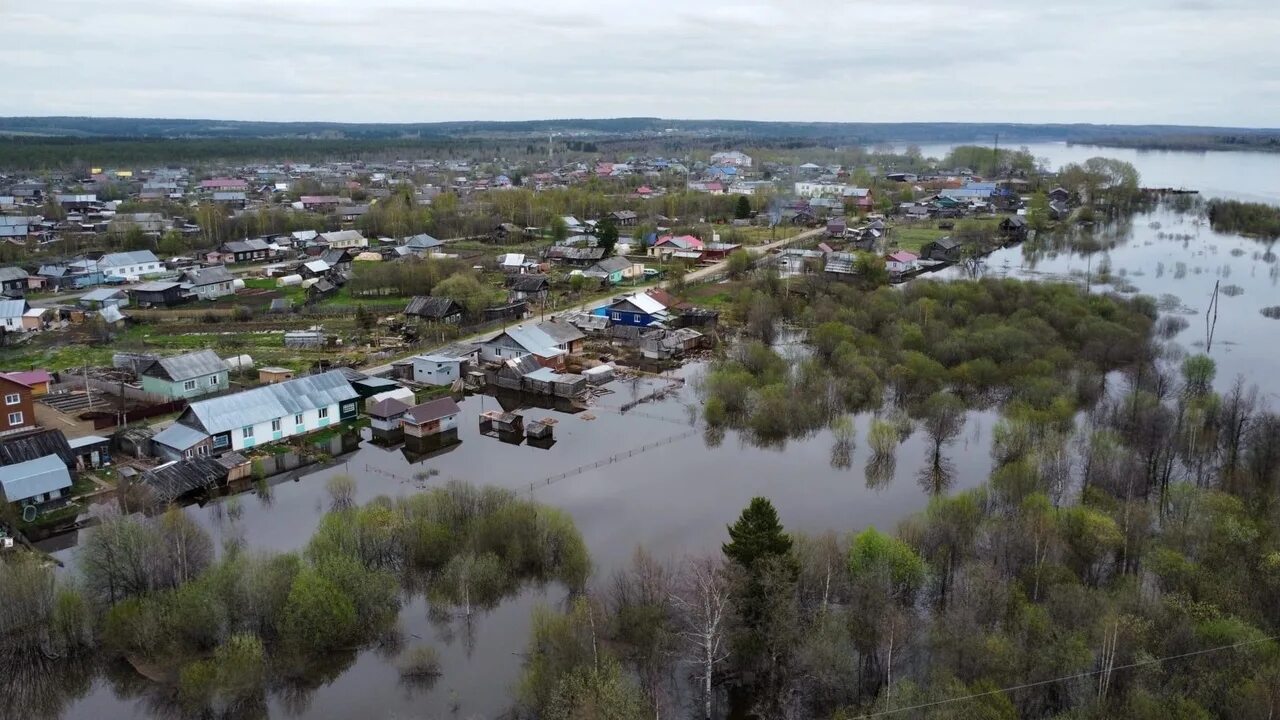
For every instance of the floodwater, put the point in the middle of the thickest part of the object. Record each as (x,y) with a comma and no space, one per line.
(1247,176)
(677,496)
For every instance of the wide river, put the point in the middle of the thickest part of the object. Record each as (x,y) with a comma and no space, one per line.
(677,497)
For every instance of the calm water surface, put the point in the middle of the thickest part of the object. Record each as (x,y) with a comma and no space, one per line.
(677,498)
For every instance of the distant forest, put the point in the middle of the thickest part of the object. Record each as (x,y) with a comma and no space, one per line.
(59,142)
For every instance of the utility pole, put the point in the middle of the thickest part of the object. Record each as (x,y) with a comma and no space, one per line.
(996,164)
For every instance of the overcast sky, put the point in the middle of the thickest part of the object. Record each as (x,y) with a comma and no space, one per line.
(1101,61)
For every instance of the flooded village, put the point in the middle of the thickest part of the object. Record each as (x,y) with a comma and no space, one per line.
(564,357)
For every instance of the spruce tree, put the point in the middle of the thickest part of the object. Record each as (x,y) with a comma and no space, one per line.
(757,534)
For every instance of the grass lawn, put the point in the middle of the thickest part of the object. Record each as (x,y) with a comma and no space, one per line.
(913,238)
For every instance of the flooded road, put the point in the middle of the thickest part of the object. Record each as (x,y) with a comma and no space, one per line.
(677,497)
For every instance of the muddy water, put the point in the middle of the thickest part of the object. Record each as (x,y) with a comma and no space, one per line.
(676,497)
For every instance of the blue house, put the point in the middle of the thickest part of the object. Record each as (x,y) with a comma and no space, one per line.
(638,310)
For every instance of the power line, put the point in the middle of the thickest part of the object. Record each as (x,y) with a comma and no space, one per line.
(1077,676)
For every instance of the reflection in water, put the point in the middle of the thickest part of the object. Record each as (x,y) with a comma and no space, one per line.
(880,470)
(34,685)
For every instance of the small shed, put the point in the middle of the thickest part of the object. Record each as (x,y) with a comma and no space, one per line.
(273,374)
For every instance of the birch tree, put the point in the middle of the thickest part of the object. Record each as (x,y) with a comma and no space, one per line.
(701,601)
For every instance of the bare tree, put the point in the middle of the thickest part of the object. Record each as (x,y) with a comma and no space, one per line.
(701,600)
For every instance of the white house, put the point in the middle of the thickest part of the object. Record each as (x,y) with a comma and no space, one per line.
(259,416)
(11,312)
(733,158)
(444,366)
(900,262)
(129,265)
(821,189)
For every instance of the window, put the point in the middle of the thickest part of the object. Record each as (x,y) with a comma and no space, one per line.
(617,316)
(213,381)
(12,399)
(246,432)
(275,425)
(15,418)
(324,413)
(297,419)
(189,385)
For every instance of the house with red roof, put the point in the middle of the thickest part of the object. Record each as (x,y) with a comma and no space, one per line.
(900,262)
(667,245)
(37,380)
(224,184)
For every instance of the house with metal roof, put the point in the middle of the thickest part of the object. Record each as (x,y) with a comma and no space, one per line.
(133,264)
(39,482)
(263,415)
(431,418)
(211,283)
(422,244)
(549,342)
(638,310)
(13,281)
(100,298)
(11,312)
(343,239)
(186,376)
(444,366)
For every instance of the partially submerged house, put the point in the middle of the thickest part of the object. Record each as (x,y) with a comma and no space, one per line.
(946,249)
(434,417)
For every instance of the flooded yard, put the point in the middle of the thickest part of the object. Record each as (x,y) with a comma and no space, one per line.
(678,494)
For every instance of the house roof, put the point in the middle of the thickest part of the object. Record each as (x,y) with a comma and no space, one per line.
(101,294)
(12,308)
(9,274)
(210,275)
(28,479)
(243,246)
(35,445)
(180,437)
(567,252)
(561,332)
(457,351)
(432,307)
(342,236)
(684,242)
(511,259)
(529,283)
(317,266)
(645,302)
(155,286)
(171,481)
(388,407)
(432,410)
(135,257)
(609,265)
(537,339)
(188,365)
(29,377)
(903,256)
(269,402)
(422,241)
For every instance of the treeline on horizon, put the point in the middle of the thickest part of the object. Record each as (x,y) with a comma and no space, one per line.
(1256,219)
(862,132)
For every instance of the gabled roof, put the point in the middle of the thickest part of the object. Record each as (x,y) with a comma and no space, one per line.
(342,236)
(12,308)
(34,477)
(432,410)
(210,276)
(528,283)
(609,265)
(29,377)
(433,307)
(101,294)
(180,437)
(36,445)
(387,407)
(903,256)
(317,266)
(266,403)
(560,332)
(9,274)
(135,257)
(186,366)
(644,302)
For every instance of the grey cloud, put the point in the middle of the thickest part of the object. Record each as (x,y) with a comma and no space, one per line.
(403,60)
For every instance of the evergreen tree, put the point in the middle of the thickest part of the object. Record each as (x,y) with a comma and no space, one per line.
(607,235)
(742,210)
(757,534)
